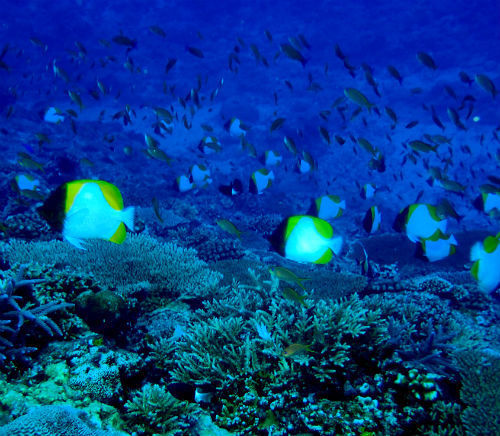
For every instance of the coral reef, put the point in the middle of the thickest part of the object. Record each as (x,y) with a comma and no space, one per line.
(54,421)
(140,261)
(153,410)
(16,340)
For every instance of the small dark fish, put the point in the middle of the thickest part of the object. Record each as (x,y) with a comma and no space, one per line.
(449,90)
(395,73)
(422,146)
(464,77)
(277,124)
(195,51)
(170,64)
(339,53)
(292,53)
(392,115)
(125,41)
(324,134)
(304,41)
(426,60)
(455,118)
(411,124)
(436,119)
(268,35)
(486,83)
(158,31)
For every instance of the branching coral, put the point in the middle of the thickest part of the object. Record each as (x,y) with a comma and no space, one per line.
(264,350)
(153,410)
(14,317)
(168,269)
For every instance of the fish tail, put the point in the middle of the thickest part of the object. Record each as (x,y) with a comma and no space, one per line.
(128,217)
(336,245)
(475,252)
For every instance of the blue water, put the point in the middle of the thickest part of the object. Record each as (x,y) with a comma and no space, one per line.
(230,60)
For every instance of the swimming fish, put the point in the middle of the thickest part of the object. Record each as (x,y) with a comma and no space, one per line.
(229,227)
(358,97)
(261,180)
(438,246)
(234,188)
(328,207)
(372,220)
(200,175)
(419,221)
(368,191)
(488,202)
(53,115)
(272,158)
(209,145)
(305,238)
(88,209)
(286,275)
(294,349)
(486,258)
(235,127)
(184,183)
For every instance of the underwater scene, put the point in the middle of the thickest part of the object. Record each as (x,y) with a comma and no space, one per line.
(250,218)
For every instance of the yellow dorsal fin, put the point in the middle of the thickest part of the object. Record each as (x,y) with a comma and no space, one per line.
(323,227)
(111,194)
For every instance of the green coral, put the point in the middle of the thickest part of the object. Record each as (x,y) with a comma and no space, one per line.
(243,351)
(154,411)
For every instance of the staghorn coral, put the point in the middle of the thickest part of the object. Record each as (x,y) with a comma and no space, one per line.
(244,352)
(170,270)
(14,334)
(153,410)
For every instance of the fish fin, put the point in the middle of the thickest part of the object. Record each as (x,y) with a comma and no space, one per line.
(442,225)
(325,258)
(475,252)
(78,243)
(127,217)
(120,234)
(336,245)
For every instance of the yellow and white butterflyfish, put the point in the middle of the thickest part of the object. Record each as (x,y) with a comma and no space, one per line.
(88,209)
(368,191)
(490,201)
(305,238)
(184,183)
(209,145)
(438,246)
(328,207)
(26,182)
(486,266)
(235,127)
(200,175)
(419,221)
(272,158)
(53,115)
(261,180)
